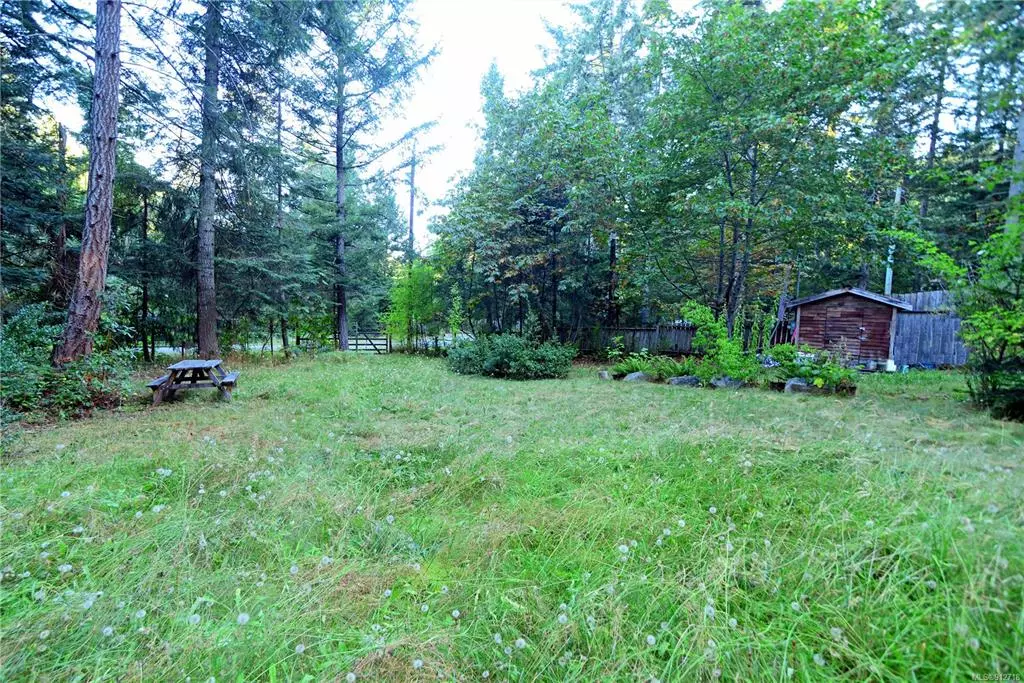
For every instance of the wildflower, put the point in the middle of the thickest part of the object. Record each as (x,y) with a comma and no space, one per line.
(61,446)
(78,529)
(64,568)
(563,619)
(39,594)
(294,569)
(664,626)
(666,532)
(795,606)
(818,659)
(713,510)
(563,607)
(728,547)
(65,494)
(417,663)
(390,519)
(158,508)
(709,611)
(497,638)
(194,619)
(163,472)
(456,614)
(681,523)
(387,592)
(424,607)
(43,635)
(520,643)
(651,640)
(767,543)
(243,618)
(508,650)
(623,548)
(108,631)
(350,677)
(973,643)
(138,514)
(836,632)
(733,623)
(141,614)
(300,648)
(485,674)
(325,560)
(43,555)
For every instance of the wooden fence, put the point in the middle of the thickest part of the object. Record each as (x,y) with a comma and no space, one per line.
(673,338)
(369,341)
(927,338)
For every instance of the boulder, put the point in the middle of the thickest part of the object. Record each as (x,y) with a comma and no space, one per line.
(726,383)
(603,374)
(638,377)
(684,381)
(796,385)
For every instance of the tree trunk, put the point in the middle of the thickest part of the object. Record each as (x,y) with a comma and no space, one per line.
(411,246)
(340,302)
(1017,179)
(207,292)
(933,135)
(613,280)
(144,271)
(280,212)
(84,309)
(61,278)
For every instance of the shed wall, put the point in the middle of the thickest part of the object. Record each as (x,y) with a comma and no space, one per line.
(862,325)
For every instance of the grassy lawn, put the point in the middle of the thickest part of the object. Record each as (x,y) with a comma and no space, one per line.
(382,517)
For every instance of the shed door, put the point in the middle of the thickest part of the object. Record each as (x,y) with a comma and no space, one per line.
(844,327)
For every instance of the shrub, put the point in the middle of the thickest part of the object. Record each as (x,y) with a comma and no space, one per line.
(640,361)
(511,357)
(723,357)
(822,369)
(30,384)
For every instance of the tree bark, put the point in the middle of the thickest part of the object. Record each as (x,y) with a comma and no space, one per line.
(207,291)
(933,135)
(144,276)
(1017,180)
(411,246)
(613,279)
(61,278)
(280,210)
(84,309)
(340,300)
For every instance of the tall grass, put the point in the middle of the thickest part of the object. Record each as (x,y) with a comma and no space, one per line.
(384,518)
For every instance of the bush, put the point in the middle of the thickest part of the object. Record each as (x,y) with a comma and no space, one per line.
(821,369)
(511,357)
(30,384)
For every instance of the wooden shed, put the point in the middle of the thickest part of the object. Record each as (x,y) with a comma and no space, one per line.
(860,321)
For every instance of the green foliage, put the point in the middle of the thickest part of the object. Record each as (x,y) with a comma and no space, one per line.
(821,369)
(722,356)
(456,316)
(993,325)
(31,384)
(414,306)
(511,357)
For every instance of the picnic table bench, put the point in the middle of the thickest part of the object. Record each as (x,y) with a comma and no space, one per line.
(194,374)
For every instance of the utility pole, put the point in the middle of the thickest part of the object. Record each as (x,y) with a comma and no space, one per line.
(892,246)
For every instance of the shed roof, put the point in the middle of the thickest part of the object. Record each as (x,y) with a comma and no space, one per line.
(863,293)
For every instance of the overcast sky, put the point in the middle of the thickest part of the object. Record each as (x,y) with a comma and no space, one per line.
(470,34)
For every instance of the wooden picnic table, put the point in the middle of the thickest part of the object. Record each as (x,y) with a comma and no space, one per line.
(194,374)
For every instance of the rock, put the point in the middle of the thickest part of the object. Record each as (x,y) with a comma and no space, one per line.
(726,383)
(796,385)
(638,377)
(684,381)
(603,374)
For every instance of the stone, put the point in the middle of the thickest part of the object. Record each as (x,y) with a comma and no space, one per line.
(603,374)
(684,381)
(638,377)
(726,383)
(796,385)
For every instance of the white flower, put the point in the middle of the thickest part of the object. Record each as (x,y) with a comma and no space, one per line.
(243,618)
(43,635)
(651,640)
(795,606)
(563,619)
(325,560)
(836,632)
(417,663)
(61,446)
(65,494)
(43,555)
(818,659)
(456,614)
(497,638)
(163,472)
(728,547)
(387,592)
(108,631)
(733,622)
(623,548)
(64,568)
(300,648)
(681,523)
(141,614)
(194,619)
(39,594)
(520,643)
(138,514)
(444,589)
(712,509)
(78,529)
(485,674)
(294,569)
(424,607)
(158,508)
(350,677)
(390,519)
(709,611)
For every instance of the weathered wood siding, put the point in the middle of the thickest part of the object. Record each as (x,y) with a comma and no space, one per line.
(928,338)
(675,338)
(859,324)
